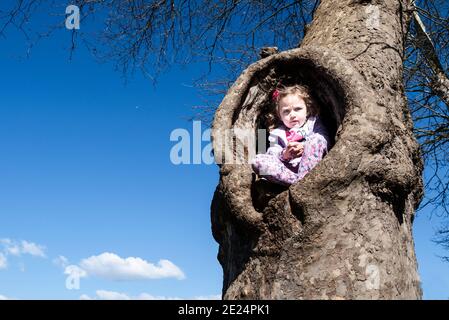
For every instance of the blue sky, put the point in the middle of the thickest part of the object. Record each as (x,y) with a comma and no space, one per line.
(85,174)
(85,170)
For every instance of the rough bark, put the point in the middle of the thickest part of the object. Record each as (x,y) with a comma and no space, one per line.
(345,230)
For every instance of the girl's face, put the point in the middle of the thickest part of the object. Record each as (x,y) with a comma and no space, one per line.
(292,110)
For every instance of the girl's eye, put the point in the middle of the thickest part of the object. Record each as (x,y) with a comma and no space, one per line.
(298,109)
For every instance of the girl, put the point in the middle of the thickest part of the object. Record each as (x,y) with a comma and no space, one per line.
(298,142)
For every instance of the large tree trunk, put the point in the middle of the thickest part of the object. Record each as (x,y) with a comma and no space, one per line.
(345,230)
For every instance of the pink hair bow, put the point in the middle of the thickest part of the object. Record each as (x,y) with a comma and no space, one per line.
(275,95)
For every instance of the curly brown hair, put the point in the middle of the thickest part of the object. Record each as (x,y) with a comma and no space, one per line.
(273,118)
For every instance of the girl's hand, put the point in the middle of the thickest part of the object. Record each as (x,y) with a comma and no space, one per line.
(286,154)
(293,150)
(296,149)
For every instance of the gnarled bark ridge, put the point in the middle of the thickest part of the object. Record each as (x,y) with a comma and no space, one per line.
(345,230)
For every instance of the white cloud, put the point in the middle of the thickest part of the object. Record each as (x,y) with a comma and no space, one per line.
(111,266)
(3,261)
(33,249)
(75,272)
(17,248)
(10,247)
(113,295)
(147,296)
(3,297)
(61,261)
(211,297)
